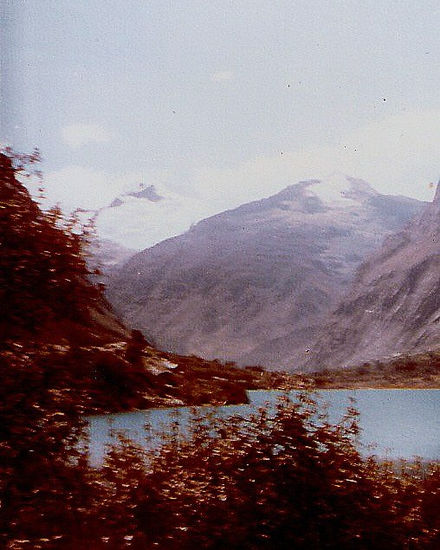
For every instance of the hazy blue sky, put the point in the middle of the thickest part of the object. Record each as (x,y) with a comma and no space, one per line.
(224,100)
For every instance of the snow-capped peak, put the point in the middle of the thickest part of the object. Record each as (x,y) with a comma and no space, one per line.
(146,215)
(339,190)
(142,191)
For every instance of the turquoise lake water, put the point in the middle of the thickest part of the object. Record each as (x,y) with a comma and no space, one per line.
(401,423)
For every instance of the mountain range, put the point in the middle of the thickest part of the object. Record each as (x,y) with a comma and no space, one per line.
(256,284)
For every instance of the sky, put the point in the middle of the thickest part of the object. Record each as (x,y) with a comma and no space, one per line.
(222,101)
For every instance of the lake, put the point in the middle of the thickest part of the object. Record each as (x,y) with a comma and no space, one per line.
(402,423)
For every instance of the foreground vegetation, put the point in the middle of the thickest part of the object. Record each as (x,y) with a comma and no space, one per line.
(288,480)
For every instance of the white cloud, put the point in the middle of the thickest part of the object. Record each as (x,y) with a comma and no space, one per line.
(398,155)
(82,187)
(222,76)
(78,187)
(77,135)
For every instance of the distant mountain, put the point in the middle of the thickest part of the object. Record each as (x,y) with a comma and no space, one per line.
(145,216)
(394,305)
(252,284)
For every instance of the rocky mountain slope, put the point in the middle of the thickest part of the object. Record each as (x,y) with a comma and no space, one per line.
(251,284)
(394,305)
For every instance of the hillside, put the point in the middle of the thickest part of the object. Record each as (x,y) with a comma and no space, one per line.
(45,291)
(252,284)
(418,371)
(394,305)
